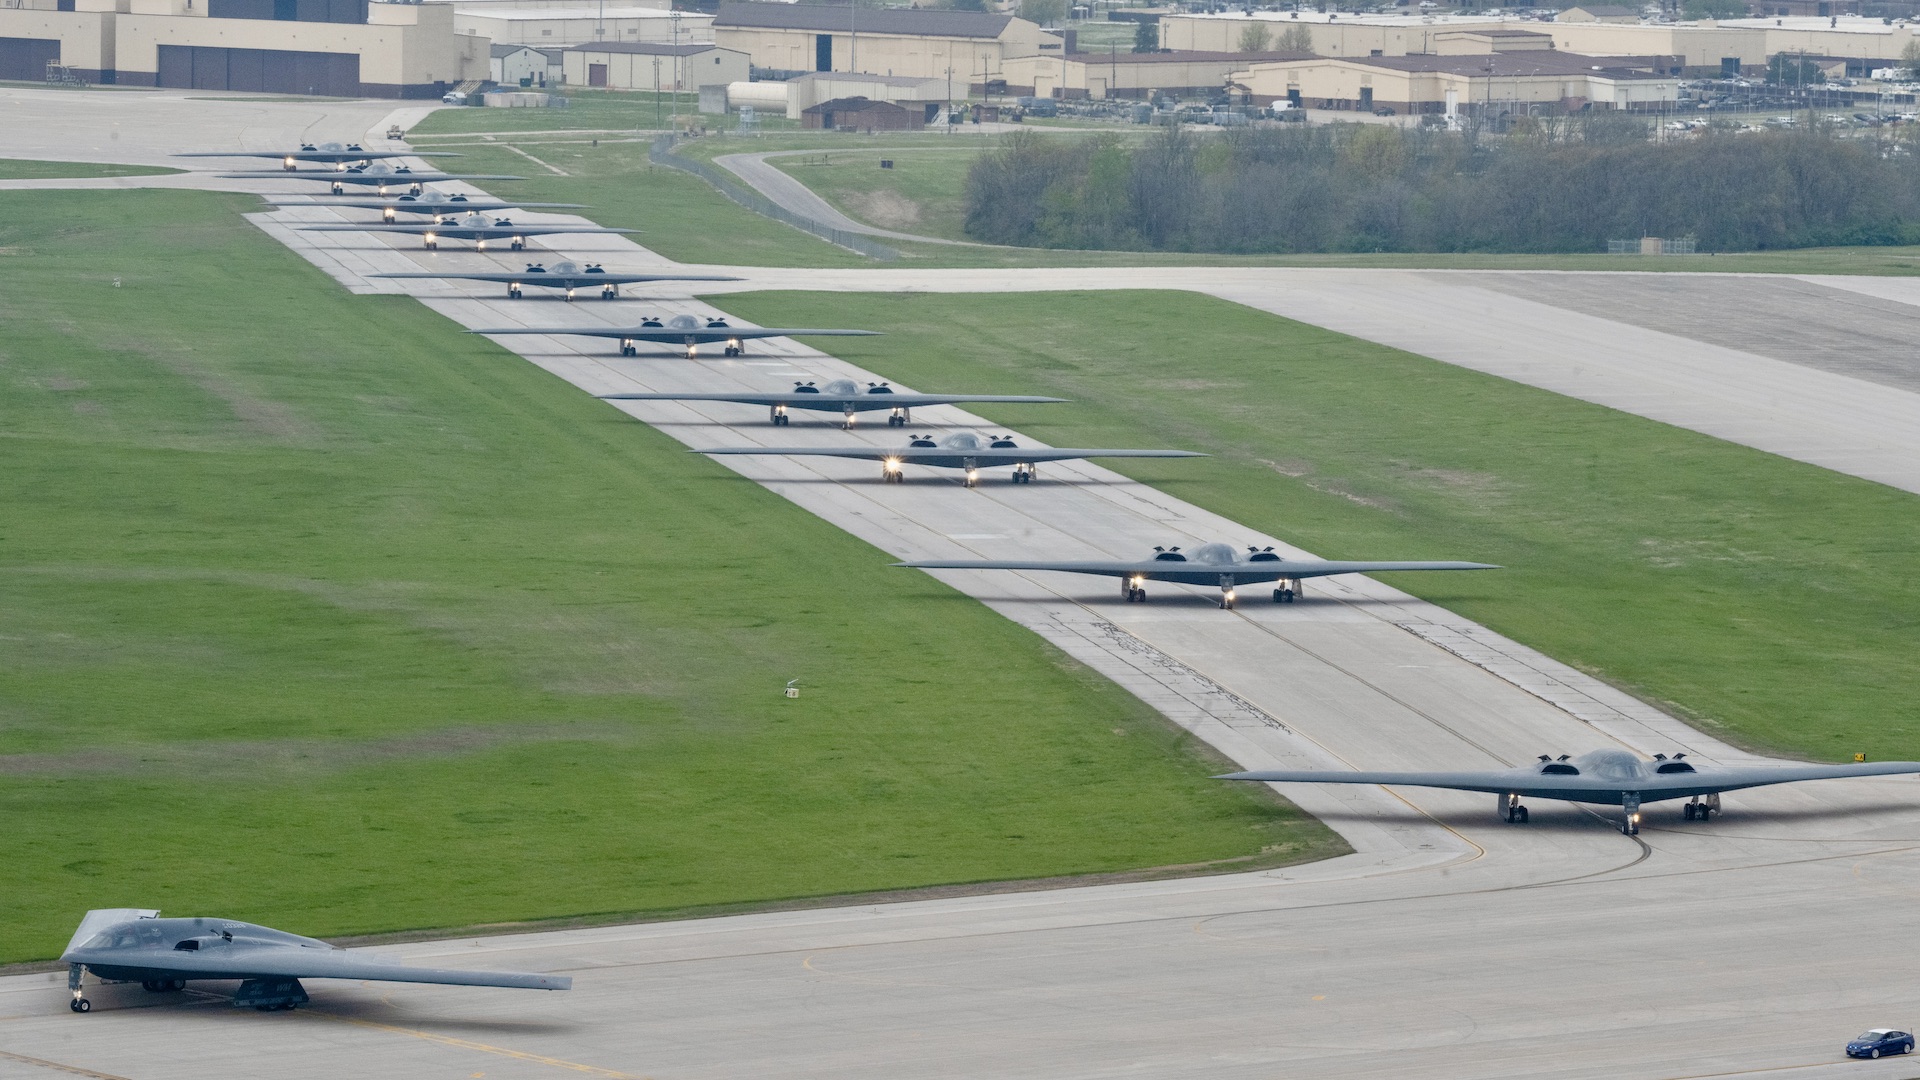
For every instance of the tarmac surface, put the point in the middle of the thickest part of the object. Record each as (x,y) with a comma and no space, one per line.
(1449,944)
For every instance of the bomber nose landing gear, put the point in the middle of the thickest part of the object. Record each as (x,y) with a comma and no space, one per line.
(1515,813)
(79,1003)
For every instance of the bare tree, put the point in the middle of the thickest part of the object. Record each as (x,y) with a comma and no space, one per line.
(1255,37)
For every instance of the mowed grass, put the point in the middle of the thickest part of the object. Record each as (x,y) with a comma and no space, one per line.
(22,169)
(586,110)
(923,192)
(684,218)
(1772,602)
(319,613)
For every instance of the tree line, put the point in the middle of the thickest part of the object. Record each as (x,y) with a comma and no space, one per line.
(1561,185)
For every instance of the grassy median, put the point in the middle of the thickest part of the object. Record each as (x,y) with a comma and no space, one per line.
(1773,602)
(24,169)
(322,614)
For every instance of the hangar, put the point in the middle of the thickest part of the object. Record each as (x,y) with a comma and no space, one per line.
(559,27)
(1539,82)
(345,48)
(633,65)
(790,39)
(1130,75)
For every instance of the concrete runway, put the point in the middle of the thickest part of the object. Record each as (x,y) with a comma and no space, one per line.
(1449,944)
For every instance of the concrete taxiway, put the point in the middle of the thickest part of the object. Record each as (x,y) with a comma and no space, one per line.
(1449,944)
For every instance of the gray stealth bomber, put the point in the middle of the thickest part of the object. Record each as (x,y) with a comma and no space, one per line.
(1606,777)
(960,450)
(431,203)
(376,176)
(327,153)
(842,396)
(1208,564)
(564,274)
(135,945)
(689,330)
(476,227)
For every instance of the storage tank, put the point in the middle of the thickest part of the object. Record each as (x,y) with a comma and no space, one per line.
(765,97)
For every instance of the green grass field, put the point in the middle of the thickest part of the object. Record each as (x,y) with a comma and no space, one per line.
(1773,602)
(587,110)
(21,169)
(683,218)
(322,614)
(922,193)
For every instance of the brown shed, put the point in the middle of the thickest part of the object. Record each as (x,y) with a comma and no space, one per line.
(861,114)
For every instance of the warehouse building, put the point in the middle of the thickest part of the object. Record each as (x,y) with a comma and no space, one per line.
(632,65)
(1533,82)
(791,39)
(345,48)
(561,27)
(811,89)
(1118,74)
(859,114)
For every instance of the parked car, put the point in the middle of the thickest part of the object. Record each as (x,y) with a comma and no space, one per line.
(453,97)
(1872,1044)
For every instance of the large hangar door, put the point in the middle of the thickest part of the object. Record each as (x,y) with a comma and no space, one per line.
(823,52)
(25,59)
(274,71)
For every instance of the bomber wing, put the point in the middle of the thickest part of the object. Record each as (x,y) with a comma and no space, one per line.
(414,206)
(1160,570)
(300,962)
(459,232)
(389,178)
(562,280)
(947,456)
(677,335)
(1686,780)
(889,400)
(320,155)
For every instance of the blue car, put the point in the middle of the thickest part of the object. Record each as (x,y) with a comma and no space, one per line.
(1872,1044)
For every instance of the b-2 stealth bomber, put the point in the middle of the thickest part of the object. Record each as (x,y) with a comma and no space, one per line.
(430,203)
(136,945)
(841,396)
(689,330)
(478,228)
(564,274)
(1208,564)
(960,450)
(377,176)
(339,155)
(1606,777)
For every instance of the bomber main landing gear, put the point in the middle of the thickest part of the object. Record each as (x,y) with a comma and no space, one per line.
(733,348)
(1024,472)
(1510,807)
(513,291)
(1289,591)
(628,348)
(163,986)
(607,292)
(778,415)
(1132,591)
(900,418)
(1701,809)
(891,473)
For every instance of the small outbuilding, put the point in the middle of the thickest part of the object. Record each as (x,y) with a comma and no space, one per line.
(861,114)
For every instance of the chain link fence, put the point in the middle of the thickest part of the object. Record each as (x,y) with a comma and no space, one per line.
(661,153)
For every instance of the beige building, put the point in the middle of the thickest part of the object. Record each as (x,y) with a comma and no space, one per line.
(812,89)
(562,27)
(1540,82)
(1129,75)
(1598,13)
(1706,47)
(633,65)
(796,38)
(346,48)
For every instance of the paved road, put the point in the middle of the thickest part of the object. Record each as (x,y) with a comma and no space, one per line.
(1448,945)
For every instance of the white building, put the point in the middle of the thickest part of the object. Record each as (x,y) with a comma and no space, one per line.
(634,65)
(561,27)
